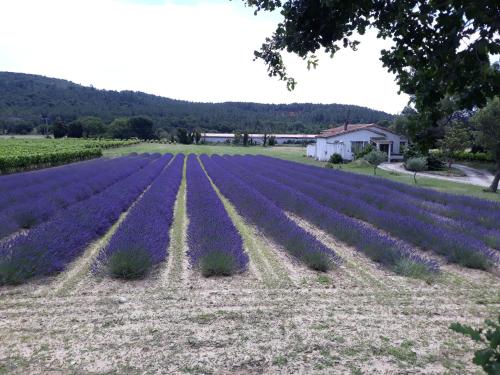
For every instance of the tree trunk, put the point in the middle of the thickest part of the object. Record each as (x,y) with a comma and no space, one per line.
(415,177)
(494,185)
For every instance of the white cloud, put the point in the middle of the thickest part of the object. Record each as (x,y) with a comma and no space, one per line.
(192,50)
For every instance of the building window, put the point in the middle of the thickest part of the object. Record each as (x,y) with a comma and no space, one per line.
(357,146)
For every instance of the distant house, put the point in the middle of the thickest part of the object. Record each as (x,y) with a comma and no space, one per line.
(258,138)
(349,139)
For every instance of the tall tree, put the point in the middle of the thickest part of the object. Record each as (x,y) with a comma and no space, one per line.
(120,129)
(75,129)
(487,121)
(92,126)
(440,48)
(142,127)
(183,136)
(59,129)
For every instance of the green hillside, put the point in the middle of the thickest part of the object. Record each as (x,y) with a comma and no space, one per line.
(26,100)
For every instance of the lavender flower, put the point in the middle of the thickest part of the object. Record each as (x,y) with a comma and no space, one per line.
(214,243)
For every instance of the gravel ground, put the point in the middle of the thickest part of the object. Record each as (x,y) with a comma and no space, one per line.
(356,319)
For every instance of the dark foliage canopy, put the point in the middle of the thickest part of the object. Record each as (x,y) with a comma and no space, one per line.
(441,48)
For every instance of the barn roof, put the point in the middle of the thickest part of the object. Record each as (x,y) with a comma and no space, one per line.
(231,135)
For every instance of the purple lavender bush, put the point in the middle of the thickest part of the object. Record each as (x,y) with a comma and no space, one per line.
(470,222)
(379,247)
(269,218)
(90,179)
(389,215)
(142,239)
(480,211)
(215,246)
(51,246)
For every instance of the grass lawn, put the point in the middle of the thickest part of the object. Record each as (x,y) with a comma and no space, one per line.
(296,153)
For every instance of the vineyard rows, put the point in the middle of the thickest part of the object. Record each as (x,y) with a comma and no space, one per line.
(23,154)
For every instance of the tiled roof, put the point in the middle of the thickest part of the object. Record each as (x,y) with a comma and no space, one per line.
(333,132)
(341,130)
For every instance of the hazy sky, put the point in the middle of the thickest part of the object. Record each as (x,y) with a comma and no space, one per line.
(191,50)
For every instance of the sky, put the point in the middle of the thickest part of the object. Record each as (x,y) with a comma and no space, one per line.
(183,49)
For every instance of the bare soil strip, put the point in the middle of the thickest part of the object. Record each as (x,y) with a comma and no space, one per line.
(263,262)
(174,274)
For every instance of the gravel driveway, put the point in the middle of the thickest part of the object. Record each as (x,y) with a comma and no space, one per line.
(474,176)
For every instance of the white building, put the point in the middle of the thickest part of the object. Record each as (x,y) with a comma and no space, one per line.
(348,139)
(257,138)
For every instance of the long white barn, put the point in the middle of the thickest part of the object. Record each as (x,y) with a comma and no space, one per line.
(257,138)
(349,139)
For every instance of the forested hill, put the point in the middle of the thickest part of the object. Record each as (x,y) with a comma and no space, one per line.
(26,98)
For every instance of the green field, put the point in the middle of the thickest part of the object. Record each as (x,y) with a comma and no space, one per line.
(296,153)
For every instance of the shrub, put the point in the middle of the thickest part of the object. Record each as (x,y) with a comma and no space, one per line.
(335,159)
(375,158)
(272,141)
(360,163)
(317,261)
(471,259)
(434,162)
(130,264)
(411,152)
(365,151)
(329,165)
(410,268)
(217,263)
(20,266)
(489,356)
(416,165)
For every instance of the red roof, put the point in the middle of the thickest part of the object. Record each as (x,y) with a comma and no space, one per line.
(333,132)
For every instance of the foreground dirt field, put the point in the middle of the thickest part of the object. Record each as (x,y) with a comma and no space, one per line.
(356,319)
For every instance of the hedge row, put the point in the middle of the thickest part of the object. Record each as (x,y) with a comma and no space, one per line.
(468,156)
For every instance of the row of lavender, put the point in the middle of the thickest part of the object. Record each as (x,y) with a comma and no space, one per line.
(215,246)
(49,247)
(465,243)
(63,189)
(379,247)
(142,239)
(13,182)
(268,217)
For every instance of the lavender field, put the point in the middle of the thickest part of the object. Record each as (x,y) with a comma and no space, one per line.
(259,264)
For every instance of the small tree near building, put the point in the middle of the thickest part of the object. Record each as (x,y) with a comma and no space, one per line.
(245,139)
(271,141)
(456,139)
(197,136)
(237,138)
(416,165)
(375,158)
